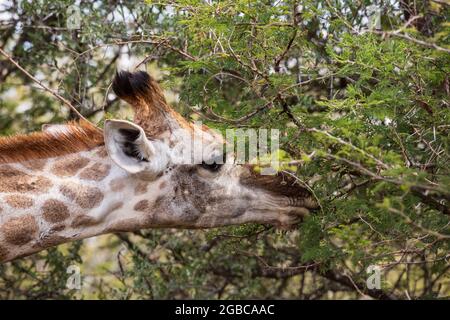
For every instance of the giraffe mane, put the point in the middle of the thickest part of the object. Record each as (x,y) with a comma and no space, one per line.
(77,136)
(146,97)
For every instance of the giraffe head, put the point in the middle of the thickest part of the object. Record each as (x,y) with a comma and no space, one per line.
(195,190)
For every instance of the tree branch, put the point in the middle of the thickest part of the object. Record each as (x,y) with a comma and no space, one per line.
(43,86)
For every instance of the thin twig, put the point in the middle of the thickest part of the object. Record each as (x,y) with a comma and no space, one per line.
(43,86)
(409,38)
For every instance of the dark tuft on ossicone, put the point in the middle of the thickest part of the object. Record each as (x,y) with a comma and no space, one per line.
(143,93)
(127,84)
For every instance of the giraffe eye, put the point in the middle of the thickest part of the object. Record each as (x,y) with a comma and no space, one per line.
(214,164)
(213,167)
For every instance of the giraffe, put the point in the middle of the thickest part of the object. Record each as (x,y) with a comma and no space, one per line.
(74,181)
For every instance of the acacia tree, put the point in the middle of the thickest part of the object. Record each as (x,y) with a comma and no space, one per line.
(359,90)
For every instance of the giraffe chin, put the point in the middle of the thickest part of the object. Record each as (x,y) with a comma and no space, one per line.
(292,218)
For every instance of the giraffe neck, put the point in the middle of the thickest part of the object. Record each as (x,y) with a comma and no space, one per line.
(46,202)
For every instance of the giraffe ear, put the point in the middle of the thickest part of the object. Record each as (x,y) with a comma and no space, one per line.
(128,146)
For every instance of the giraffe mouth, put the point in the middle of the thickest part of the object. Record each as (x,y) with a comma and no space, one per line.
(308,203)
(283,212)
(300,205)
(281,189)
(282,217)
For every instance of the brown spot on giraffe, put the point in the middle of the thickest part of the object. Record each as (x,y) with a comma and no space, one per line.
(97,172)
(54,211)
(85,197)
(141,188)
(37,164)
(57,228)
(102,153)
(69,166)
(117,184)
(12,180)
(142,205)
(20,230)
(125,225)
(19,201)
